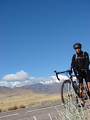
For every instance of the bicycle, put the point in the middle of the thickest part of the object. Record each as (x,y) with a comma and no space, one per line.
(70,88)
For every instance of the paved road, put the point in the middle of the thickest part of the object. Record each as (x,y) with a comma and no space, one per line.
(44,112)
(51,112)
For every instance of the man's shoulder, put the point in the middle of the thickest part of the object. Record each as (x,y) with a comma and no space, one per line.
(74,55)
(85,53)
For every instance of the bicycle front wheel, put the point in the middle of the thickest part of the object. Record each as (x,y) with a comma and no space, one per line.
(67,92)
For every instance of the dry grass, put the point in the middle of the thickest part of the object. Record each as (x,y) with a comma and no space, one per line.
(73,112)
(32,99)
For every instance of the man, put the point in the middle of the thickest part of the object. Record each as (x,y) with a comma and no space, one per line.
(80,66)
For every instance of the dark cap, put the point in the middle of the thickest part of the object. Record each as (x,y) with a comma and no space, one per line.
(77,45)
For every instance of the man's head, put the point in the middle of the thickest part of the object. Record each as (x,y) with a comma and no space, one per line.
(77,47)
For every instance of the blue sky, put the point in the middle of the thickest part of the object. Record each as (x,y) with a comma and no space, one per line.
(37,36)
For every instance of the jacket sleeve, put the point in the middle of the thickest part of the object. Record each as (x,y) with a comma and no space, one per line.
(73,65)
(86,63)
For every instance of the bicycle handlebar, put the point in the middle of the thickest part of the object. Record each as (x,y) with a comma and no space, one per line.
(57,75)
(67,71)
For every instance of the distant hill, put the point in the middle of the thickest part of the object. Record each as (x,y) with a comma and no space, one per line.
(37,88)
(9,92)
(44,88)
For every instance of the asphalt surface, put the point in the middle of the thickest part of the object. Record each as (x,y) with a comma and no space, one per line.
(51,111)
(44,112)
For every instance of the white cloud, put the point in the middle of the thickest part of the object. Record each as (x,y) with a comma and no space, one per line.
(18,76)
(22,78)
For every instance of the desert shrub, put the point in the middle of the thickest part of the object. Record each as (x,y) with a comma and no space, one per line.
(0,110)
(73,112)
(22,106)
(13,108)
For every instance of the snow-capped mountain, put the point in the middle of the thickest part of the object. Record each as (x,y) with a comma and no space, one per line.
(30,81)
(21,79)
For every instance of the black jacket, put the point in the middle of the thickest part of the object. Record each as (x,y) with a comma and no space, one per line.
(80,61)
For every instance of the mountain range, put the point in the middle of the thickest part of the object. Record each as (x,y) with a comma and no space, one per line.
(53,88)
(44,88)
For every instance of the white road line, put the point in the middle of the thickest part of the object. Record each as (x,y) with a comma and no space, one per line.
(57,111)
(50,116)
(34,118)
(9,115)
(44,108)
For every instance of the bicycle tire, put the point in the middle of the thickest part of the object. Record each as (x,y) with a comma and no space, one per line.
(66,90)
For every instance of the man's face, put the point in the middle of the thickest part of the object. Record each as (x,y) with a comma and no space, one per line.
(78,50)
